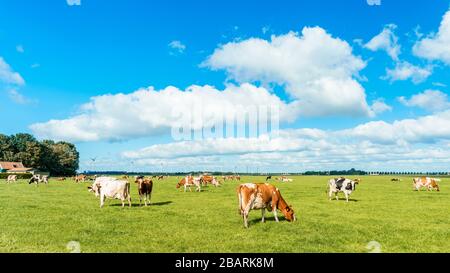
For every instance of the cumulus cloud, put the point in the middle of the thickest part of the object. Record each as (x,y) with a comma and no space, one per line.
(147,112)
(430,100)
(404,71)
(360,139)
(379,106)
(317,70)
(436,46)
(177,46)
(387,41)
(8,76)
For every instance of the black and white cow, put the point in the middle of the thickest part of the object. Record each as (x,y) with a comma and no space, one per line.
(341,184)
(36,179)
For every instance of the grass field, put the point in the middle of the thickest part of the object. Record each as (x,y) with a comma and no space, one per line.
(47,218)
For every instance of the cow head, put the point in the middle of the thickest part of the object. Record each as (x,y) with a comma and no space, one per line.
(289,214)
(95,188)
(181,183)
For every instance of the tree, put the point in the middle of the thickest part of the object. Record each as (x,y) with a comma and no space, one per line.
(61,158)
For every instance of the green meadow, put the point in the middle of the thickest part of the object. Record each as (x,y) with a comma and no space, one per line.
(48,217)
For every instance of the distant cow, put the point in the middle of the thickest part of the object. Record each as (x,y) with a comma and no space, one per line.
(36,179)
(285,179)
(426,182)
(262,196)
(109,187)
(11,178)
(396,180)
(62,179)
(207,179)
(269,177)
(145,187)
(341,184)
(190,181)
(80,178)
(160,177)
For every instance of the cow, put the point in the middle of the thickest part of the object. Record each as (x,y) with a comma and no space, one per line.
(341,184)
(268,177)
(207,179)
(80,178)
(396,180)
(145,187)
(190,181)
(427,182)
(109,187)
(262,196)
(160,177)
(36,179)
(285,179)
(62,179)
(11,178)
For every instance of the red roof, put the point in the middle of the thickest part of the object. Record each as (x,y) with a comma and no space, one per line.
(11,165)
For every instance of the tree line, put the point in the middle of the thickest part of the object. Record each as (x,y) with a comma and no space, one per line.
(59,158)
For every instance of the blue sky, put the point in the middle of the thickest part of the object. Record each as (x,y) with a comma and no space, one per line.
(68,54)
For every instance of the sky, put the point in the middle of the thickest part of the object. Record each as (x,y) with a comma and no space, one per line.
(357,83)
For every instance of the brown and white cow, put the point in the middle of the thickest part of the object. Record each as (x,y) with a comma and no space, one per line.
(11,178)
(145,187)
(426,182)
(262,196)
(190,181)
(208,179)
(80,178)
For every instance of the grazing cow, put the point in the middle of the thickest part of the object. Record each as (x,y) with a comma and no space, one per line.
(80,178)
(11,178)
(160,177)
(190,181)
(262,196)
(357,180)
(341,184)
(36,179)
(269,177)
(426,182)
(238,178)
(62,179)
(208,179)
(145,187)
(109,187)
(396,180)
(285,179)
(125,177)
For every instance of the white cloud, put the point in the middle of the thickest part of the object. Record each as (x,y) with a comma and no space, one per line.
(178,46)
(436,46)
(20,49)
(147,112)
(73,2)
(379,106)
(316,70)
(430,100)
(404,71)
(387,41)
(8,76)
(17,97)
(373,145)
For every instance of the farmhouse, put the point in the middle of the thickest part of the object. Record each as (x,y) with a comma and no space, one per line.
(15,167)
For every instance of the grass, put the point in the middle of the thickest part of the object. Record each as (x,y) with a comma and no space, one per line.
(47,218)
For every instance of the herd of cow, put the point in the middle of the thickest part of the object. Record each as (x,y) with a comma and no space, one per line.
(251,196)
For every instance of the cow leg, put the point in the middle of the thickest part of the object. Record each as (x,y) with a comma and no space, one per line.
(274,210)
(346,196)
(140,200)
(102,200)
(123,202)
(149,198)
(263,213)
(129,200)
(336,195)
(145,199)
